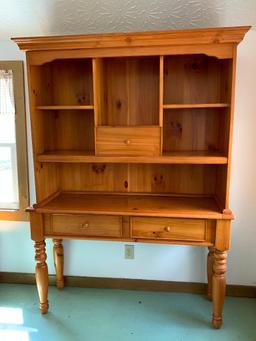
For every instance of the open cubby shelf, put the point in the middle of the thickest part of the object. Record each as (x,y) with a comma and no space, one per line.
(204,80)
(192,129)
(63,82)
(129,91)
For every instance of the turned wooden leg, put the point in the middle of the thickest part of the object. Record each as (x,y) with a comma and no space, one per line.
(58,257)
(210,259)
(41,275)
(218,286)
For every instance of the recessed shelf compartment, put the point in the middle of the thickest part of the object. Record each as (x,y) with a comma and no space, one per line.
(66,130)
(197,130)
(195,79)
(127,91)
(63,82)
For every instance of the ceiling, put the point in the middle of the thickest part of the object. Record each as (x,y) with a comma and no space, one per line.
(48,17)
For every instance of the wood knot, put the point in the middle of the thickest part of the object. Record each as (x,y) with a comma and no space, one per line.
(118,104)
(128,40)
(177,128)
(98,168)
(81,99)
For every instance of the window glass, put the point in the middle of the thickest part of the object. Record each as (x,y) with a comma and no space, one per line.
(8,159)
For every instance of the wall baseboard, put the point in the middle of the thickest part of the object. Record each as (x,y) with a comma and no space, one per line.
(129,284)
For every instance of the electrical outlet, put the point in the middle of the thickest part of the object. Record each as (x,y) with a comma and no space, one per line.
(129,251)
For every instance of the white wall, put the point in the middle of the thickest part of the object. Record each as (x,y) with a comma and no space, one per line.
(163,262)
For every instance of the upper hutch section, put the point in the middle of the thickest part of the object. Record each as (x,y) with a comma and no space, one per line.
(154,103)
(151,94)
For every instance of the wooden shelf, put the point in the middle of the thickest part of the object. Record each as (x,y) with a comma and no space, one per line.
(190,157)
(195,106)
(65,107)
(131,205)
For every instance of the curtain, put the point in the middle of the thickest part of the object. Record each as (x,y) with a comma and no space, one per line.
(7,105)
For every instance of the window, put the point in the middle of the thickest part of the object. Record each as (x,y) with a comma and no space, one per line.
(13,151)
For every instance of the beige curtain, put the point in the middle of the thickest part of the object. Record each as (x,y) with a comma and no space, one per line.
(7,105)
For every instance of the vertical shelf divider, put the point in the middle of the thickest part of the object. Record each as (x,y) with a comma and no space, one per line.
(97,94)
(161,100)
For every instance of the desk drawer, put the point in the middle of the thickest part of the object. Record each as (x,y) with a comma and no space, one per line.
(128,141)
(169,228)
(85,225)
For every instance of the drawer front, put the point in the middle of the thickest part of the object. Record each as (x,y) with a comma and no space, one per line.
(128,141)
(85,225)
(169,228)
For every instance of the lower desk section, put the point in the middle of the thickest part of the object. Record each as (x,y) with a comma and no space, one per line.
(162,230)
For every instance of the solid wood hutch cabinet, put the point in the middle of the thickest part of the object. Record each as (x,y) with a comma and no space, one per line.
(132,142)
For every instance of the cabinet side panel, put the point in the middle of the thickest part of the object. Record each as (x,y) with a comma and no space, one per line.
(42,127)
(231,122)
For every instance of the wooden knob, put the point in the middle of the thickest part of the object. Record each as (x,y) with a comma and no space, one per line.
(84,226)
(167,228)
(127,142)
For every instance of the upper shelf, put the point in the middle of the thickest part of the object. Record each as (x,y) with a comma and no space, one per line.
(196,105)
(189,157)
(65,107)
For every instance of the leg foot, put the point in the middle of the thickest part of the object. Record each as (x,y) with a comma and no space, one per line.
(210,259)
(41,275)
(58,256)
(218,286)
(216,323)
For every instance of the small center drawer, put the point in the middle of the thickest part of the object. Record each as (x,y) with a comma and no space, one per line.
(85,225)
(128,141)
(169,228)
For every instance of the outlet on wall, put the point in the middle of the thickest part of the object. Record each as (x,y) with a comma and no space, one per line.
(129,251)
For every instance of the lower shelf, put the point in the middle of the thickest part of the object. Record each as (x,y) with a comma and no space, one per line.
(132,205)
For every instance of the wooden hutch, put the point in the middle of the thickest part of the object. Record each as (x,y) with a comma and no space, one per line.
(132,142)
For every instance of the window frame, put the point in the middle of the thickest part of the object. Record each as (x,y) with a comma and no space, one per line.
(21,142)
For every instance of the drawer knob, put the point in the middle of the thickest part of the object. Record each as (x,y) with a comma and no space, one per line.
(84,226)
(127,142)
(167,228)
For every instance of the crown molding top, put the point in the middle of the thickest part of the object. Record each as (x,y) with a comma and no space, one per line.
(134,39)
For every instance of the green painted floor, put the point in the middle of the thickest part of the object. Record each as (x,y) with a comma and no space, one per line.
(78,314)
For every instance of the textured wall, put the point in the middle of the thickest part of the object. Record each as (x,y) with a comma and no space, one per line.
(42,17)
